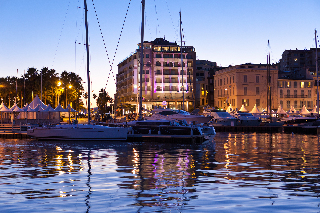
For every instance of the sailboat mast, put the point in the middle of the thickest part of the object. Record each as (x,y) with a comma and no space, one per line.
(87,48)
(315,38)
(141,60)
(181,63)
(268,84)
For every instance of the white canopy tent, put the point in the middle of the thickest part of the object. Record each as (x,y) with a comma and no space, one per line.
(255,110)
(280,111)
(243,109)
(304,111)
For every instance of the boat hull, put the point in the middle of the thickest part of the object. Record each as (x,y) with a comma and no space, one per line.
(78,132)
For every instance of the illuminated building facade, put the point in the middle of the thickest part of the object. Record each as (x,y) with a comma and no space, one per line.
(161,78)
(245,85)
(296,93)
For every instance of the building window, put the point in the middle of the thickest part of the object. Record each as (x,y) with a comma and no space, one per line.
(288,84)
(257,79)
(288,104)
(309,84)
(147,79)
(295,84)
(295,93)
(245,102)
(232,79)
(309,93)
(245,91)
(147,55)
(295,104)
(147,71)
(281,93)
(220,82)
(281,84)
(281,103)
(158,63)
(302,93)
(158,55)
(288,93)
(257,91)
(257,102)
(245,78)
(309,104)
(302,84)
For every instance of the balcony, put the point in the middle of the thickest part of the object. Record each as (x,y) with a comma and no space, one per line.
(296,96)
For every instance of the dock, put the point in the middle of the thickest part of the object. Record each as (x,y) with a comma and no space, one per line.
(315,130)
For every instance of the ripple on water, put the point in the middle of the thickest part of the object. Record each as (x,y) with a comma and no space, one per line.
(240,172)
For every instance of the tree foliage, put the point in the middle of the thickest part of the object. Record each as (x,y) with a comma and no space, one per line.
(103,100)
(24,89)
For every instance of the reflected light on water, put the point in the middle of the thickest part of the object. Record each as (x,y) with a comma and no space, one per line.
(230,173)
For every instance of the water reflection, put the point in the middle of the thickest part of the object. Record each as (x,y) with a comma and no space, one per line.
(139,176)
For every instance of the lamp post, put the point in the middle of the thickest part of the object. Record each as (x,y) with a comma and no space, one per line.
(70,86)
(59,84)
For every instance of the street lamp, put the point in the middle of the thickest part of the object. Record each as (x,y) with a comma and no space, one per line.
(59,90)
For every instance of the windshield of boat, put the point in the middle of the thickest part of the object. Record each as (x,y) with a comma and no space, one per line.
(167,112)
(223,114)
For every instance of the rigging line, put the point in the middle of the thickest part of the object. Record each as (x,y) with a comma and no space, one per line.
(104,43)
(55,54)
(174,28)
(111,71)
(158,25)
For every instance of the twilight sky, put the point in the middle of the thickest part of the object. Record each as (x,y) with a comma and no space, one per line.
(51,33)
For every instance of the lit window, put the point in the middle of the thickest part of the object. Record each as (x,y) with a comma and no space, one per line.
(302,84)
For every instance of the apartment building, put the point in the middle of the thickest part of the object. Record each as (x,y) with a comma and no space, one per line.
(164,80)
(246,85)
(296,93)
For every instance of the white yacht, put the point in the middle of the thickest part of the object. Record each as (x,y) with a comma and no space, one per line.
(78,132)
(223,118)
(170,114)
(247,119)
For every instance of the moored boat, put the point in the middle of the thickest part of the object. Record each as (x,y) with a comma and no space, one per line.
(78,132)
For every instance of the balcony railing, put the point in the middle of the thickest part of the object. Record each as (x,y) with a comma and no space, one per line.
(296,96)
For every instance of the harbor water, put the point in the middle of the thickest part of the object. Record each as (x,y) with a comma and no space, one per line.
(254,172)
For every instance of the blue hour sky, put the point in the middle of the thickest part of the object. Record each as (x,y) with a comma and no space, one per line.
(51,33)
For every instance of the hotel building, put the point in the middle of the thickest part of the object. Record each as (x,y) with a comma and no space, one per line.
(162,77)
